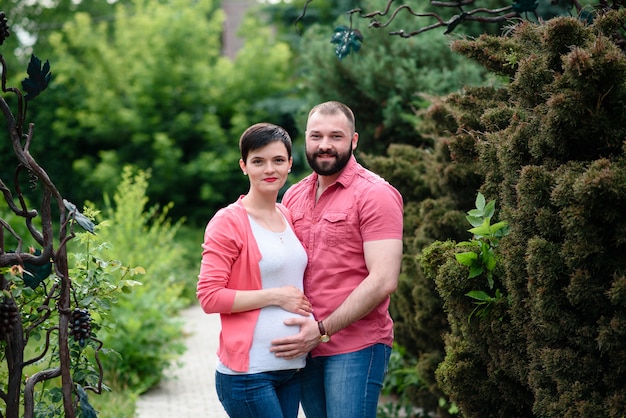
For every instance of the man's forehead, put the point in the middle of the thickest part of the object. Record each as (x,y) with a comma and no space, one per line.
(334,122)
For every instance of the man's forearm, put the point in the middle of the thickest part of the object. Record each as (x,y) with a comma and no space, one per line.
(365,298)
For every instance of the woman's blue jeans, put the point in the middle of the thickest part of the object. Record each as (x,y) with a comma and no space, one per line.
(345,385)
(260,395)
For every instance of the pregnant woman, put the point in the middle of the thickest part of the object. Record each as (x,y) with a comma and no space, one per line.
(251,274)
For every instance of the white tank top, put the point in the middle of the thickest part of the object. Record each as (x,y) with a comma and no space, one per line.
(283,260)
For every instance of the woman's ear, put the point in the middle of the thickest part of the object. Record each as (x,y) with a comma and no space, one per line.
(242,165)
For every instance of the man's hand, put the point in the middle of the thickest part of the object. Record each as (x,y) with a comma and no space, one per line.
(300,344)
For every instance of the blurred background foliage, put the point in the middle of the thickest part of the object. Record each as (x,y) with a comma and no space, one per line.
(145,83)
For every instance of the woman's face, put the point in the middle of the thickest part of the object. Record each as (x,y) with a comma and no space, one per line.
(267,167)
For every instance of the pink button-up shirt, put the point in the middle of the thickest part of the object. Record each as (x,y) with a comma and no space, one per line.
(360,206)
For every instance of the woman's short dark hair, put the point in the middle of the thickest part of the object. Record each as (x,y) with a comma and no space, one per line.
(259,135)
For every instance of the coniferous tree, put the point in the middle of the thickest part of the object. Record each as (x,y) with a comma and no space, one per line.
(551,152)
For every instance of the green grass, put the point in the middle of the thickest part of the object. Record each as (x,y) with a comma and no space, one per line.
(114,404)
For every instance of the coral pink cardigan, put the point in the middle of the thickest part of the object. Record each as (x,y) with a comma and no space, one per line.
(230,262)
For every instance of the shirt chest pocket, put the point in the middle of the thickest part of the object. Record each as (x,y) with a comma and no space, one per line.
(334,228)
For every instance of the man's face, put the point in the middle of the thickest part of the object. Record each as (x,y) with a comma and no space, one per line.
(329,143)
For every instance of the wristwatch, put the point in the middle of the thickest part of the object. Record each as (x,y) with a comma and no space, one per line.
(324,337)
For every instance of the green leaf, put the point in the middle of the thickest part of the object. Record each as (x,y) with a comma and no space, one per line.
(480,230)
(17,291)
(467,259)
(468,244)
(87,300)
(480,202)
(474,220)
(489,209)
(130,283)
(475,271)
(478,295)
(490,262)
(493,229)
(502,232)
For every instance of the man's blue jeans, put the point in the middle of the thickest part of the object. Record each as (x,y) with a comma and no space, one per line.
(260,395)
(345,385)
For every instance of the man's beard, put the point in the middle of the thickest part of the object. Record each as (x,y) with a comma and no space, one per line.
(328,168)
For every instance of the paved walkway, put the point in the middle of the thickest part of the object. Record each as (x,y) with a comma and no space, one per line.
(188,391)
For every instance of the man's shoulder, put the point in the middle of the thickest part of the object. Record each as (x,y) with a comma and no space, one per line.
(297,189)
(371,187)
(367,175)
(369,179)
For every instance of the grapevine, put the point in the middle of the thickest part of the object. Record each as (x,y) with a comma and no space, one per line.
(80,325)
(8,315)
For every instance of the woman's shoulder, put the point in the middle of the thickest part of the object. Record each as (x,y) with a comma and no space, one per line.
(233,213)
(283,209)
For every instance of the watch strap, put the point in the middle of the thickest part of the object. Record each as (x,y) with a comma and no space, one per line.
(320,325)
(324,337)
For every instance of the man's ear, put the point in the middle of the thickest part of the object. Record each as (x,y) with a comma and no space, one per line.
(355,140)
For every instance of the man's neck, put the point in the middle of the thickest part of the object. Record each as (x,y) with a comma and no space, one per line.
(323,182)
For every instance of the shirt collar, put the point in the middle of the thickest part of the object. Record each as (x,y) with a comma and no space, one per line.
(346,176)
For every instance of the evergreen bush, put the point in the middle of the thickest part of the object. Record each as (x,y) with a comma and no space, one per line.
(549,147)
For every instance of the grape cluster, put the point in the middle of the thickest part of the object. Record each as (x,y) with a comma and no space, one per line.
(8,315)
(4,28)
(80,325)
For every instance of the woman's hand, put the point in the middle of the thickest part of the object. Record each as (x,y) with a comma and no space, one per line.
(292,299)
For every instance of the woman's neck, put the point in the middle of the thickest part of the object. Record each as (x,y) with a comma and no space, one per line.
(259,202)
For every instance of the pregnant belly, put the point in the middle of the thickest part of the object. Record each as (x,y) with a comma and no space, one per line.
(270,325)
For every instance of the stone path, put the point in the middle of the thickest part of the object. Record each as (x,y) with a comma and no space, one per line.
(188,391)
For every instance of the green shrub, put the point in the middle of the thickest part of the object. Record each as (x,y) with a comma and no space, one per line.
(96,285)
(551,343)
(146,337)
